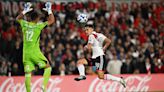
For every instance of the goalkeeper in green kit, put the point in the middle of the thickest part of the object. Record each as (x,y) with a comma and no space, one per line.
(31,36)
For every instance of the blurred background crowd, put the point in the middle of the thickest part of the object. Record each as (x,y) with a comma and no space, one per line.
(136,31)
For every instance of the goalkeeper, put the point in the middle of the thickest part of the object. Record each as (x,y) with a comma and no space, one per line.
(31,51)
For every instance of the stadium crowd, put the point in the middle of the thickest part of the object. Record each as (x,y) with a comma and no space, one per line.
(137,35)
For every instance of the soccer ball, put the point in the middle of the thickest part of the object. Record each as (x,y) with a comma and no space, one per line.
(82,18)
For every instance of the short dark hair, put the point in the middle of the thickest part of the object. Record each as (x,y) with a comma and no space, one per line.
(34,15)
(89,25)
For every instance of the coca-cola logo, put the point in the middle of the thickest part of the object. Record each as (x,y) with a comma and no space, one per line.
(134,83)
(9,85)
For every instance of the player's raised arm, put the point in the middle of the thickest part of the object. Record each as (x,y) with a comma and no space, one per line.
(27,8)
(107,42)
(47,8)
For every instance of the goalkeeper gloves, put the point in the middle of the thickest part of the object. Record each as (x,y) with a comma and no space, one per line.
(27,8)
(48,7)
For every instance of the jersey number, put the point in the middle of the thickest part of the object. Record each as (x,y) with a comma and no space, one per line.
(29,35)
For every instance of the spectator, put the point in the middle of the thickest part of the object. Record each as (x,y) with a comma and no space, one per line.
(136,71)
(159,67)
(80,52)
(62,70)
(72,68)
(114,66)
(15,70)
(126,66)
(147,66)
(4,68)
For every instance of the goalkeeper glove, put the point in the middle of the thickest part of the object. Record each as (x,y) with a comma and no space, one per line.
(48,7)
(27,8)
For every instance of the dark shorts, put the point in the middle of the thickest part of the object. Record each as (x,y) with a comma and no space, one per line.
(99,62)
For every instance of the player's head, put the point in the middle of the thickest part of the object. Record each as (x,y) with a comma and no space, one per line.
(88,29)
(34,16)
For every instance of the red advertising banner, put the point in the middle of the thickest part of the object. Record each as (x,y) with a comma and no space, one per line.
(137,83)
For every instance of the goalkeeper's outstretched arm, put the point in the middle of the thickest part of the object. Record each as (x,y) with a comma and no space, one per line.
(47,8)
(27,8)
(51,19)
(20,16)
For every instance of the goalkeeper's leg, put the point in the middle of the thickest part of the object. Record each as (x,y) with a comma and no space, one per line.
(46,76)
(28,81)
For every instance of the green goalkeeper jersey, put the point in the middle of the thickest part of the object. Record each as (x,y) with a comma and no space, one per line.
(31,51)
(31,35)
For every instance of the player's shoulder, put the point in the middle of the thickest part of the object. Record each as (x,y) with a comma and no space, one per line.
(91,36)
(41,24)
(97,34)
(23,22)
(100,34)
(94,35)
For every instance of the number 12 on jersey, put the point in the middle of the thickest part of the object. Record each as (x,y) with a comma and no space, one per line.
(29,35)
